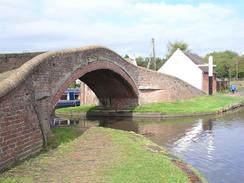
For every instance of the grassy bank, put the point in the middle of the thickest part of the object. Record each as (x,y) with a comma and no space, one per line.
(82,108)
(62,135)
(100,155)
(195,105)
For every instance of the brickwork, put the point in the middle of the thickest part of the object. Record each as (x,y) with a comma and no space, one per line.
(205,83)
(157,87)
(28,96)
(20,134)
(87,96)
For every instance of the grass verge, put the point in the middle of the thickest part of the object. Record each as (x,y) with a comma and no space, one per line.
(100,155)
(62,135)
(195,105)
(141,161)
(82,108)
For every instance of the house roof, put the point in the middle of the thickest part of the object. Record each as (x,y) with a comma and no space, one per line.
(197,60)
(204,69)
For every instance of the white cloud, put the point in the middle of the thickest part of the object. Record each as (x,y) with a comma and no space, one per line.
(123,25)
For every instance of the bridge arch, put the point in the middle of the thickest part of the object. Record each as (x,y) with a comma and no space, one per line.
(112,85)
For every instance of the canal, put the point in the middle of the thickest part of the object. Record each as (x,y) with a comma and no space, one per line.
(212,144)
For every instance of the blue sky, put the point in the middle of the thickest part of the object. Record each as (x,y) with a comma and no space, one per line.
(125,26)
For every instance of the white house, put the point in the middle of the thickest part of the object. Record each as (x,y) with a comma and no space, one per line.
(131,60)
(187,67)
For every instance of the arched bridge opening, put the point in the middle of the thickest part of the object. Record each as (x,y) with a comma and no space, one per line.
(112,90)
(113,87)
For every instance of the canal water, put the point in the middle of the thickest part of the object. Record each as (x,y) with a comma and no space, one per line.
(214,145)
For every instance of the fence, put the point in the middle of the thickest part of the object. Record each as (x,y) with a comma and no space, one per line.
(222,84)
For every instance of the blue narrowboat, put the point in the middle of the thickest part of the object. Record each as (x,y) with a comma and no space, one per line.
(71,97)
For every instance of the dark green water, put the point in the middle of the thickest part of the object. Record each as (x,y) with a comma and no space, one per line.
(214,145)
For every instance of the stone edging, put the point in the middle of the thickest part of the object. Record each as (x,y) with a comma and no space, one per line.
(186,168)
(192,176)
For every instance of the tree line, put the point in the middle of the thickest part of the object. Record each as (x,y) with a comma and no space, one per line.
(229,64)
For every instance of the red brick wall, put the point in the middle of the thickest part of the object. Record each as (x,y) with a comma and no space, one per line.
(157,87)
(87,96)
(20,133)
(205,83)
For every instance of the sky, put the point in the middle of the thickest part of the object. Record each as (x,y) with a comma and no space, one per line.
(125,26)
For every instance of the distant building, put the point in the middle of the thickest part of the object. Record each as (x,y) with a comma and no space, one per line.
(188,67)
(87,96)
(131,60)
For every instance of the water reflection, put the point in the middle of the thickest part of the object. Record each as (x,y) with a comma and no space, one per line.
(79,123)
(58,122)
(214,145)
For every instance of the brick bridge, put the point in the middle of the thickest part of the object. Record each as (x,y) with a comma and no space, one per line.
(31,85)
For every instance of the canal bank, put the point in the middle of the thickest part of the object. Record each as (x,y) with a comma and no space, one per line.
(104,155)
(200,106)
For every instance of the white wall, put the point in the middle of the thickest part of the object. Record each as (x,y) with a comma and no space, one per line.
(180,66)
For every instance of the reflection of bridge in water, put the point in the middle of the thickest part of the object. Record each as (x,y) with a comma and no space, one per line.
(179,132)
(176,133)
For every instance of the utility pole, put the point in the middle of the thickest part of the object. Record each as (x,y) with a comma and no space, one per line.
(153,54)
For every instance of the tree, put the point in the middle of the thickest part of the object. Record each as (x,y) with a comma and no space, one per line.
(239,66)
(226,63)
(143,62)
(159,62)
(173,46)
(126,56)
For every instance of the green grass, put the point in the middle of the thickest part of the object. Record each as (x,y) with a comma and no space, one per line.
(194,105)
(82,108)
(62,135)
(8,180)
(138,163)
